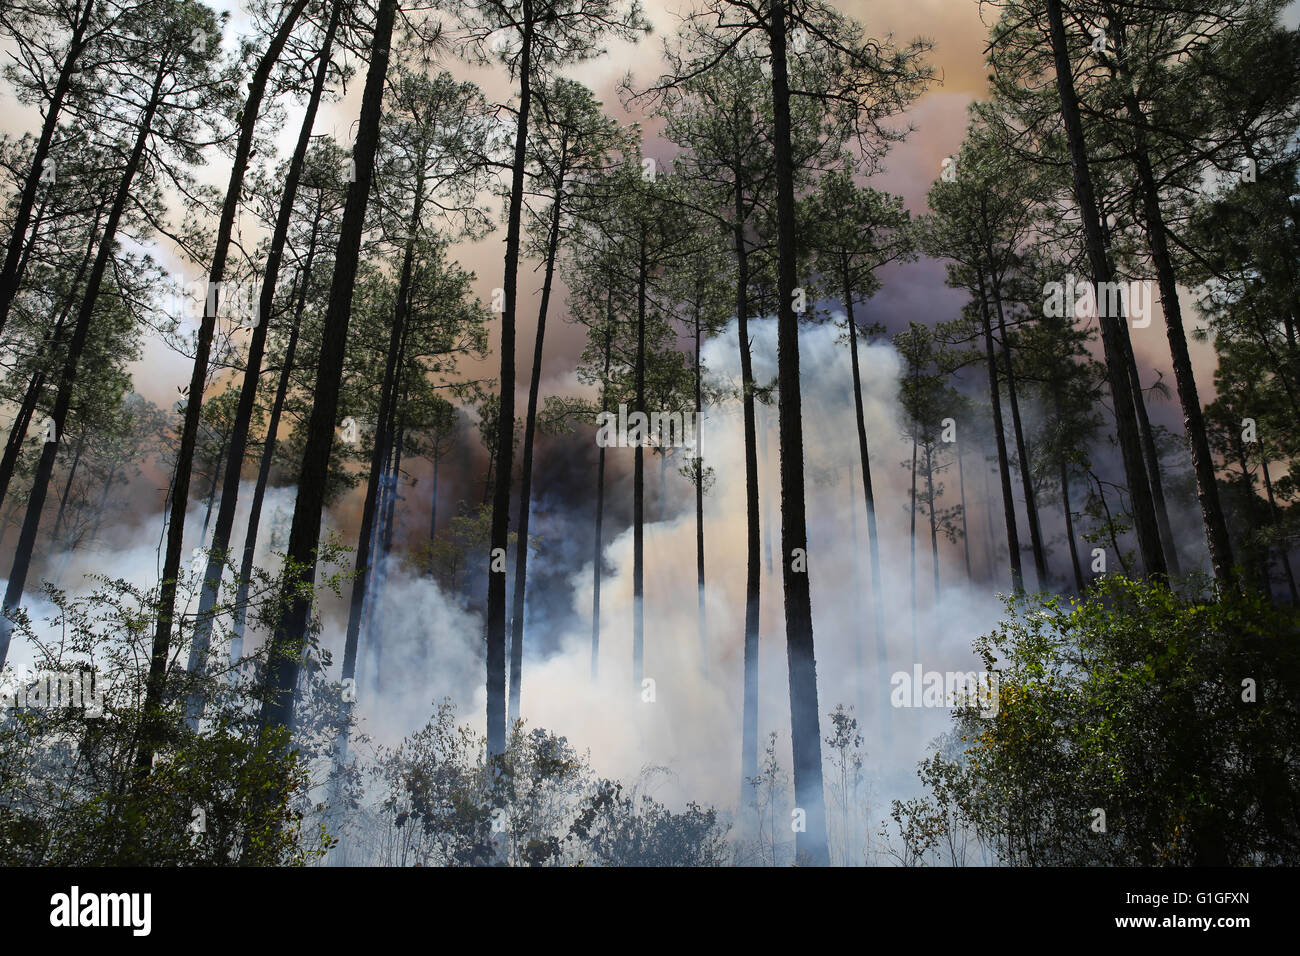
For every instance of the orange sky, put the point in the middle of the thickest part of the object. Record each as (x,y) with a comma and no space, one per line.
(915,292)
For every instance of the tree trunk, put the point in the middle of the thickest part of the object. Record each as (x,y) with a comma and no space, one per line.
(701,614)
(102,506)
(76,345)
(1069,528)
(212,489)
(381,444)
(811,845)
(1207,487)
(67,489)
(1146,433)
(11,274)
(18,431)
(1022,448)
(268,451)
(598,558)
(371,576)
(638,479)
(934,532)
(1065,504)
(764,430)
(30,245)
(988,520)
(663,485)
(23,420)
(965,531)
(1144,520)
(911,537)
(753,556)
(504,457)
(526,475)
(394,480)
(379,570)
(304,536)
(857,604)
(1152,457)
(999,433)
(198,377)
(869,495)
(219,557)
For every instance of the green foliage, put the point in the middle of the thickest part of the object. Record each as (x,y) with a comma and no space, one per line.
(225,793)
(1134,701)
(617,830)
(221,800)
(537,804)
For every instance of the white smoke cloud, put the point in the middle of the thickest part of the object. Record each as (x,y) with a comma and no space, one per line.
(432,647)
(693,724)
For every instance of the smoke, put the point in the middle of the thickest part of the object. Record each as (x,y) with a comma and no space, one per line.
(423,645)
(688,718)
(131,551)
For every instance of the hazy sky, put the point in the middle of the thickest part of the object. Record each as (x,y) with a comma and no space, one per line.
(911,292)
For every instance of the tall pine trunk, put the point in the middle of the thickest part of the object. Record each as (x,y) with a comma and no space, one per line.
(965,530)
(27,408)
(753,557)
(1151,456)
(1022,447)
(379,571)
(1000,435)
(868,493)
(102,506)
(989,534)
(638,477)
(1069,528)
(597,559)
(198,377)
(1207,486)
(1065,500)
(268,450)
(22,421)
(287,640)
(701,618)
(212,486)
(71,362)
(1144,520)
(911,537)
(1145,432)
(15,253)
(218,556)
(504,455)
(811,844)
(526,473)
(934,530)
(67,490)
(381,444)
